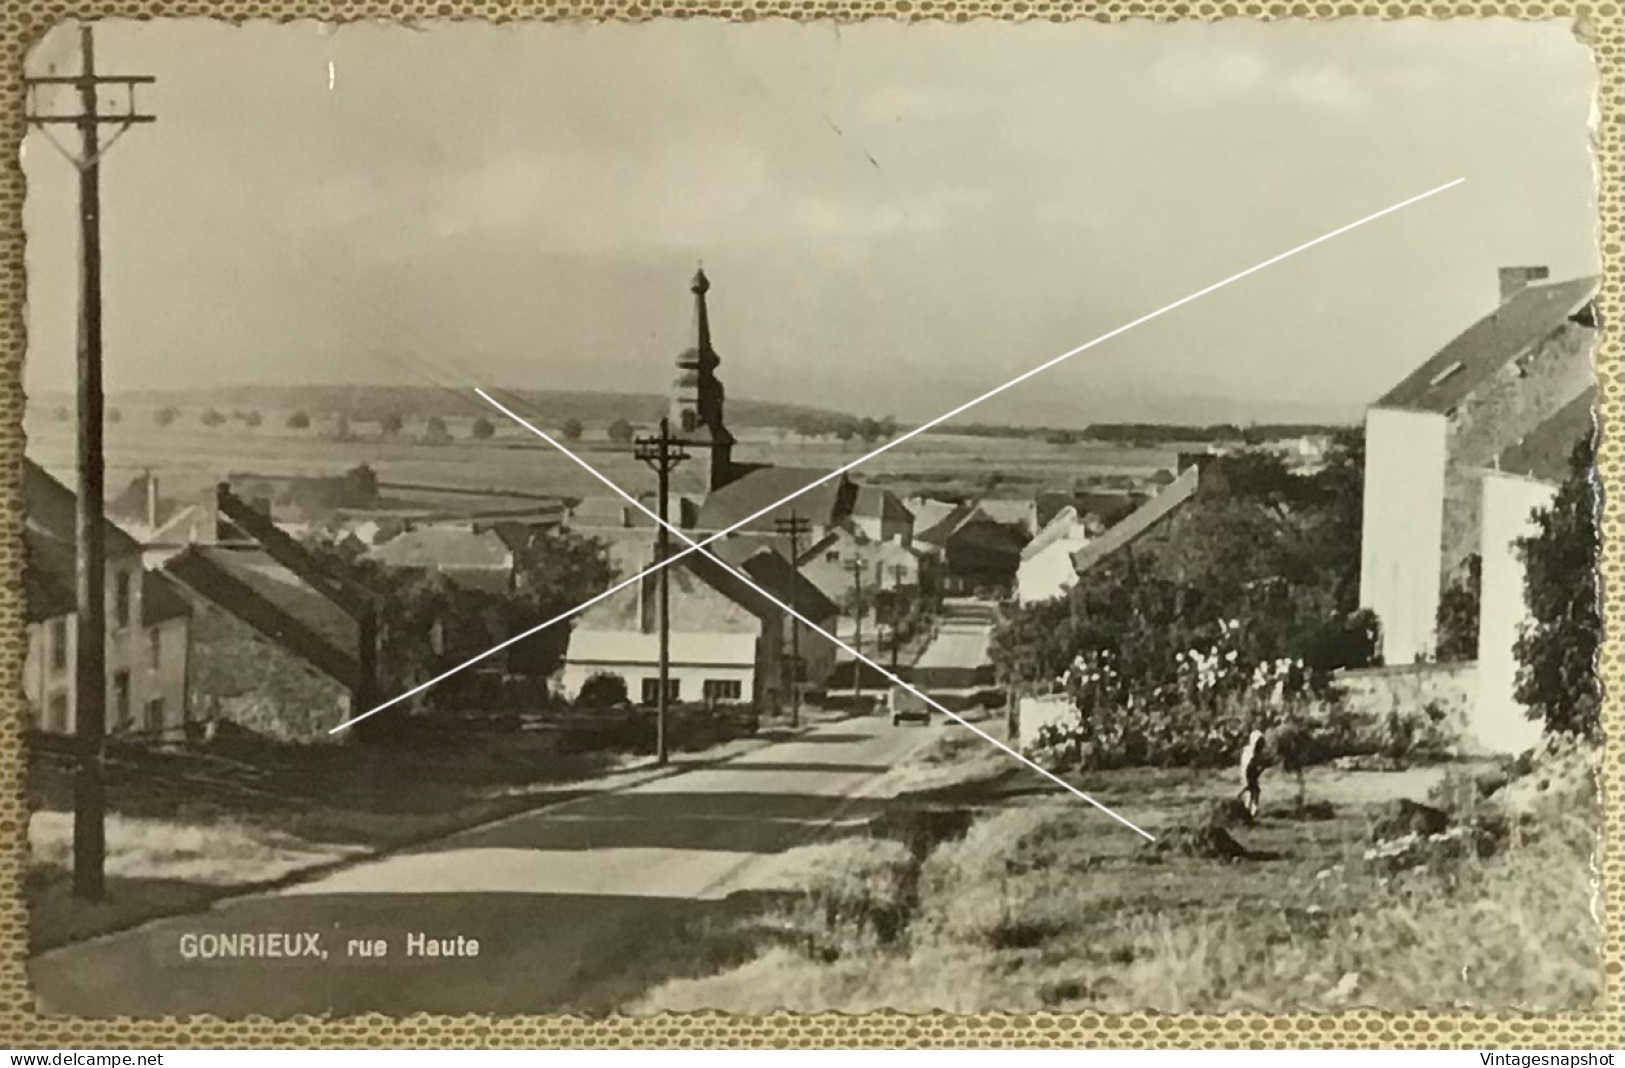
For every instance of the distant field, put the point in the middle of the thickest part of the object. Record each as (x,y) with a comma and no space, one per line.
(189,457)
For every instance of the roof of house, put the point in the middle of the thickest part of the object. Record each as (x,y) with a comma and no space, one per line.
(877,502)
(1020,513)
(445,547)
(1141,521)
(48,577)
(928,511)
(826,502)
(695,584)
(272,600)
(938,532)
(53,509)
(1456,370)
(1063,526)
(161,601)
(1544,452)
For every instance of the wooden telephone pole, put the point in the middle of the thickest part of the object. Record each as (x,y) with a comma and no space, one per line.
(793,526)
(855,565)
(896,610)
(663,452)
(90,667)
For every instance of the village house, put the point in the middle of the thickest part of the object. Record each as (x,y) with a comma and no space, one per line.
(148,645)
(1459,457)
(471,555)
(1046,570)
(883,564)
(728,643)
(978,554)
(1433,438)
(269,652)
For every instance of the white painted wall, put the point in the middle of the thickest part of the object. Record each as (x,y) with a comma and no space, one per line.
(1402,528)
(635,656)
(1036,713)
(1049,572)
(1500,724)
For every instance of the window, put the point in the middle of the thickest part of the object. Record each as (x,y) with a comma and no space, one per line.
(57,636)
(1445,374)
(121,697)
(155,648)
(155,715)
(723,689)
(651,690)
(121,600)
(58,718)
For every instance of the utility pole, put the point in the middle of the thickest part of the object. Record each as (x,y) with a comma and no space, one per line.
(663,453)
(793,526)
(855,565)
(90,667)
(897,610)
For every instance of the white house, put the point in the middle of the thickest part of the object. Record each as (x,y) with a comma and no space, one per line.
(1432,439)
(728,644)
(1046,570)
(148,622)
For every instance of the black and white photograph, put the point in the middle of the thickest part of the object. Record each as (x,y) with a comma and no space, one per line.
(625,518)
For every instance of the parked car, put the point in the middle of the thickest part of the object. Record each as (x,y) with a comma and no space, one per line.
(906,707)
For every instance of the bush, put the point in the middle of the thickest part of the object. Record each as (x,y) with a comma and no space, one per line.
(212,418)
(602,690)
(572,430)
(620,432)
(299,421)
(1458,612)
(1557,649)
(481,429)
(165,416)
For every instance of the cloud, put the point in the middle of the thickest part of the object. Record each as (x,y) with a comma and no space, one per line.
(1212,76)
(1326,87)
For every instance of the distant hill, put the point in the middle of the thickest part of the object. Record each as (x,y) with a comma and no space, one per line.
(548,407)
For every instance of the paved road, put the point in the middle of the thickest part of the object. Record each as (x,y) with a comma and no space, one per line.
(960,647)
(575,908)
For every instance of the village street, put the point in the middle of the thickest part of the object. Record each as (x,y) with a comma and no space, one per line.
(576,907)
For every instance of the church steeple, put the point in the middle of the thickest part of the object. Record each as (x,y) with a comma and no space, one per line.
(697,396)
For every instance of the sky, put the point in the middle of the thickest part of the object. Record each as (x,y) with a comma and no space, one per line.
(895,218)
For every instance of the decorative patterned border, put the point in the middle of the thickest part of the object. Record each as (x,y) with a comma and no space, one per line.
(22,22)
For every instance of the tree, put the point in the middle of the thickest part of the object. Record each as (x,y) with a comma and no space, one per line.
(435,432)
(1458,612)
(299,421)
(554,572)
(602,690)
(620,432)
(481,429)
(391,423)
(1557,648)
(572,430)
(212,418)
(165,416)
(844,431)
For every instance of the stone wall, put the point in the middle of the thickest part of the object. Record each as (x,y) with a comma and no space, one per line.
(1372,693)
(1498,415)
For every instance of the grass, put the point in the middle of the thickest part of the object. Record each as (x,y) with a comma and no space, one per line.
(189,458)
(1046,905)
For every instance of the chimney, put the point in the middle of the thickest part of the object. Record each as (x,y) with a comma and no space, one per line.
(152,501)
(1515,280)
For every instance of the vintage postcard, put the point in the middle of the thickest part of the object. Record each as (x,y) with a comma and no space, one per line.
(687,515)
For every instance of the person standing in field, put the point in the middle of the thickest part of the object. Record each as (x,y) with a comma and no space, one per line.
(1252,768)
